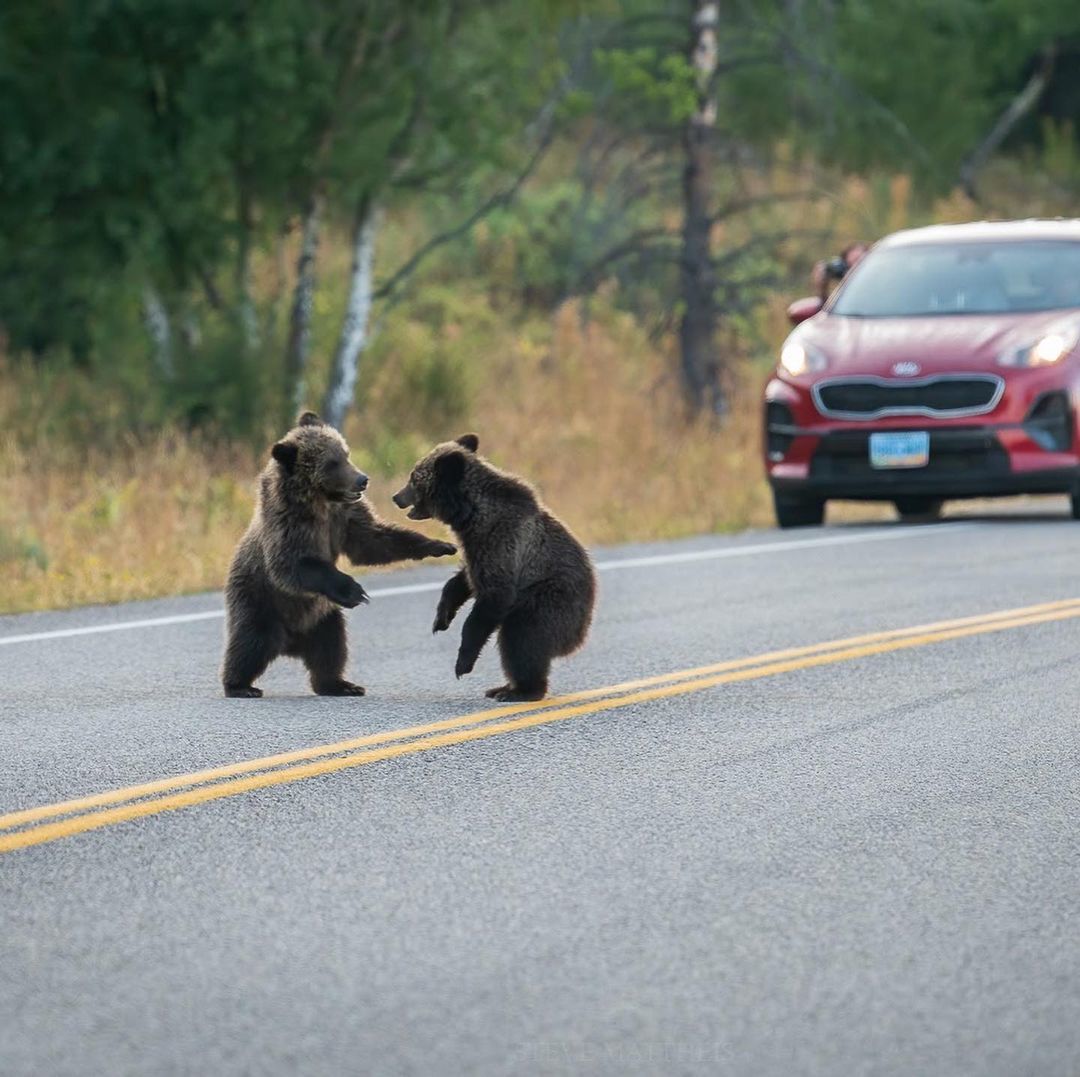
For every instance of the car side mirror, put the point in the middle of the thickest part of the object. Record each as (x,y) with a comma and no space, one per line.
(802,309)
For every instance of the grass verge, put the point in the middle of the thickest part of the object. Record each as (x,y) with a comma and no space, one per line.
(586,409)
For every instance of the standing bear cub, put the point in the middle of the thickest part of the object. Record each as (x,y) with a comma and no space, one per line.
(284,593)
(531,578)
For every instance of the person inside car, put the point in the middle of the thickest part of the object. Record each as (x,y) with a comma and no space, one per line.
(827,274)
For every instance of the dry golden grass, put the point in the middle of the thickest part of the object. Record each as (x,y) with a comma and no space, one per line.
(159,518)
(592,416)
(588,412)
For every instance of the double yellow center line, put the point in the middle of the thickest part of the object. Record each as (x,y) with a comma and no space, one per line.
(36,826)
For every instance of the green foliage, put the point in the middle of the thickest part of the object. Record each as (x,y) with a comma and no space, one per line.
(422,370)
(146,141)
(662,82)
(223,387)
(149,142)
(539,247)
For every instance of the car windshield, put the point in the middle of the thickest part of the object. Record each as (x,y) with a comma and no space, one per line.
(963,278)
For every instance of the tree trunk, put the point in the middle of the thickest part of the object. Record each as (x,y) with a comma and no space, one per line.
(355,325)
(159,329)
(1017,109)
(249,321)
(700,366)
(296,349)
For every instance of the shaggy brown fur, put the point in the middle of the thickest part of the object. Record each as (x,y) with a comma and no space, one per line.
(531,578)
(284,592)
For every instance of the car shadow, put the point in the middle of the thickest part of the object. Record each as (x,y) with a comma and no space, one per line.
(1061,517)
(1056,515)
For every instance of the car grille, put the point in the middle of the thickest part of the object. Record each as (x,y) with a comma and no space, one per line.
(955,452)
(945,396)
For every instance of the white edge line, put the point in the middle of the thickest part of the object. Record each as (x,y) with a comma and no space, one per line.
(768,547)
(601,566)
(119,626)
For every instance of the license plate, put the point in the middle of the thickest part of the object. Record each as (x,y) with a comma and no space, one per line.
(907,449)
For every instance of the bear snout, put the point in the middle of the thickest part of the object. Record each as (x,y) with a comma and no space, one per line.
(404,497)
(361,482)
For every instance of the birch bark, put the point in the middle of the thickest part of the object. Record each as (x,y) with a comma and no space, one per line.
(355,326)
(159,329)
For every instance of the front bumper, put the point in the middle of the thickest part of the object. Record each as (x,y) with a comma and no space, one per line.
(1027,445)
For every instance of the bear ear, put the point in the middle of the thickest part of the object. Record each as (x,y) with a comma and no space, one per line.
(308,418)
(285,453)
(450,469)
(469,441)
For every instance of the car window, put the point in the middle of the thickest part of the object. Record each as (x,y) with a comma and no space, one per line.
(963,278)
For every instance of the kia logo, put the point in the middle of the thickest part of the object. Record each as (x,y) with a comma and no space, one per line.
(906,369)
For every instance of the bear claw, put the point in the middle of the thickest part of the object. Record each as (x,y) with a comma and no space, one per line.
(353,596)
(233,691)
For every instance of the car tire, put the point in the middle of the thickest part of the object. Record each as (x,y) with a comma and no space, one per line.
(1074,503)
(917,509)
(794,511)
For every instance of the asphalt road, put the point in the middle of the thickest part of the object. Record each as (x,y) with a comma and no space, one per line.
(860,859)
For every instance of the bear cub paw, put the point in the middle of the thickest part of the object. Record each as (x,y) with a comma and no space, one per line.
(352,595)
(240,691)
(507,693)
(340,688)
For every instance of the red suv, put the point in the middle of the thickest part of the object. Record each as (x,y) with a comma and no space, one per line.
(946,365)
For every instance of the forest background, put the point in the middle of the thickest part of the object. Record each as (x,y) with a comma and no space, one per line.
(573,227)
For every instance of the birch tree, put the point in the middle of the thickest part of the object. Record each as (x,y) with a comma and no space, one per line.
(356,323)
(159,330)
(419,105)
(669,136)
(338,41)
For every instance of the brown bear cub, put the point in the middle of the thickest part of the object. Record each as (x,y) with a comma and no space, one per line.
(532,580)
(284,591)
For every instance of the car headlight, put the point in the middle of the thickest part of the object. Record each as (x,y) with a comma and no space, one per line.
(1046,351)
(796,358)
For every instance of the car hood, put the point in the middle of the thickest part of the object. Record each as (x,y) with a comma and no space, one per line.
(939,344)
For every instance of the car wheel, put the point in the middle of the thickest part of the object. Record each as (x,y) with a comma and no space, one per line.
(914,509)
(794,511)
